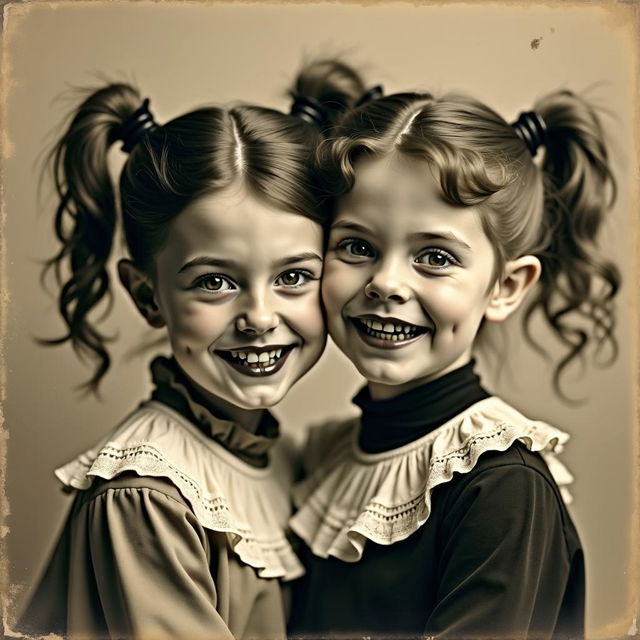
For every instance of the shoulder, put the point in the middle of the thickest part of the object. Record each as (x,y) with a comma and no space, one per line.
(493,435)
(131,483)
(130,502)
(509,492)
(515,470)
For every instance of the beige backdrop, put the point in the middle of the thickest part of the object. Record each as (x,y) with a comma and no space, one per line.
(183,55)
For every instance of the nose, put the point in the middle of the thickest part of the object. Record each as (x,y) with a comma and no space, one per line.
(258,318)
(387,286)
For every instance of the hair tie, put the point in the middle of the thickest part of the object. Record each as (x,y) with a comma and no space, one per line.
(371,94)
(138,124)
(309,109)
(531,129)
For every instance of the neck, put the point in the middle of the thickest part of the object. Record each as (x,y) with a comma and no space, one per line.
(248,419)
(382,391)
(395,421)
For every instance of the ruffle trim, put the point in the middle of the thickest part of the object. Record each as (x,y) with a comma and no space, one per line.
(225,494)
(351,496)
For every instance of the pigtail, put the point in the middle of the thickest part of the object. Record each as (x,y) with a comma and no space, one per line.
(577,285)
(85,218)
(333,85)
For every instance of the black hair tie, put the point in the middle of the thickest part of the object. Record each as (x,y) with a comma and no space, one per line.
(137,125)
(531,129)
(371,94)
(309,109)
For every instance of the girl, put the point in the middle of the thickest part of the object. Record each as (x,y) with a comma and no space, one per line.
(440,510)
(176,530)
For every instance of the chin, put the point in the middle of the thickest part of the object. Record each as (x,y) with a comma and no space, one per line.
(259,399)
(384,373)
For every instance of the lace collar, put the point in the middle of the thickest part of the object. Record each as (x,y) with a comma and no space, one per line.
(251,505)
(351,496)
(174,390)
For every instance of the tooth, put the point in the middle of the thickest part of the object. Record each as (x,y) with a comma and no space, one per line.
(278,353)
(369,323)
(407,329)
(263,357)
(401,337)
(388,327)
(243,355)
(272,354)
(377,326)
(234,354)
(252,357)
(398,328)
(394,338)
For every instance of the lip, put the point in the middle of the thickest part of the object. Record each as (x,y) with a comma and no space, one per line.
(227,357)
(380,343)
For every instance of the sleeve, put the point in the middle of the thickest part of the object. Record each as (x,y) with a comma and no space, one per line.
(150,561)
(504,563)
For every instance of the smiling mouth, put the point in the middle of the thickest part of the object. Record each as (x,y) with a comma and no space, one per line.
(387,334)
(257,361)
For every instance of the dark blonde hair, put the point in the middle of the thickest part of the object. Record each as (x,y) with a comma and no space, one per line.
(553,210)
(195,154)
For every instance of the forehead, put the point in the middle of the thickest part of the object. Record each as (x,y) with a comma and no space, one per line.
(398,194)
(235,223)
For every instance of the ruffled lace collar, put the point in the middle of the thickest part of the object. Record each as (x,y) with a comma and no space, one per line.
(248,503)
(351,496)
(174,390)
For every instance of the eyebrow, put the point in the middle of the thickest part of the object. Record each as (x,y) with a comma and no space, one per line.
(300,257)
(209,261)
(351,226)
(441,235)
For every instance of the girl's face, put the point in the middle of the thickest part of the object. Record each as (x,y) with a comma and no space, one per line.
(408,277)
(238,286)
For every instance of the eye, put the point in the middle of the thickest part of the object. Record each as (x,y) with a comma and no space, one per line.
(213,283)
(294,278)
(436,259)
(355,248)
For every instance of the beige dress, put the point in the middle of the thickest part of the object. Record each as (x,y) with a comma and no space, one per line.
(171,535)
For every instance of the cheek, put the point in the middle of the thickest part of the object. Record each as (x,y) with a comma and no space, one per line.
(453,304)
(197,321)
(340,283)
(304,315)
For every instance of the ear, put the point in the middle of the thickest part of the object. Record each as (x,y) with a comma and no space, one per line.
(517,278)
(141,291)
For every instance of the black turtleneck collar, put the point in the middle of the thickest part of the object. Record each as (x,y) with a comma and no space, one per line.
(388,424)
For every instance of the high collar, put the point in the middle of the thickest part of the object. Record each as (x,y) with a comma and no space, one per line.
(174,390)
(394,422)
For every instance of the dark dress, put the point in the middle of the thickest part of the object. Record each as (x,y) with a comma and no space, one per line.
(494,552)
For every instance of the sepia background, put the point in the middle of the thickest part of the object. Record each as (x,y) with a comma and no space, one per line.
(184,55)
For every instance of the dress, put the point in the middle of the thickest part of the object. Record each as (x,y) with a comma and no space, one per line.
(176,529)
(458,531)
